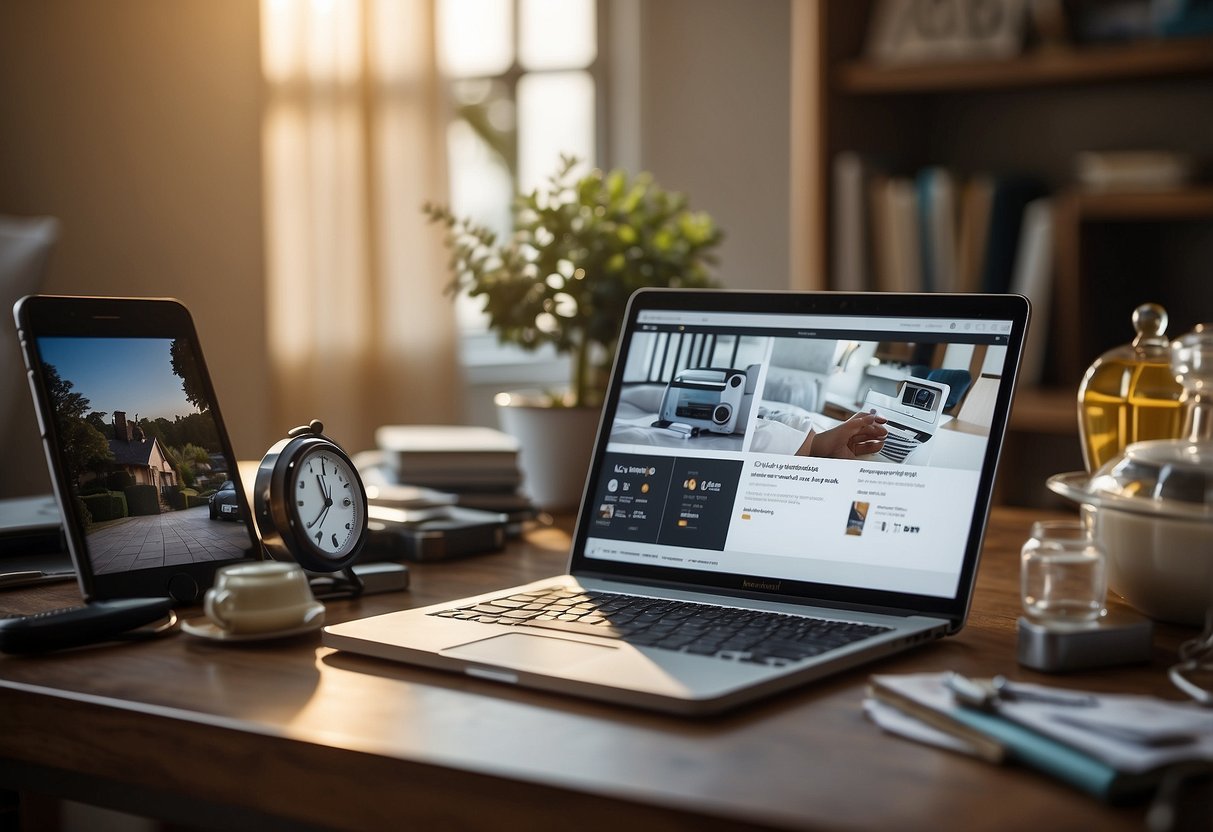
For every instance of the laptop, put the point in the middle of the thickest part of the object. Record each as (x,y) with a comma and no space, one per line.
(747,524)
(32,545)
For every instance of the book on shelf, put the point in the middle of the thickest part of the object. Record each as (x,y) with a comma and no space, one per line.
(1010,196)
(852,267)
(936,213)
(896,239)
(879,252)
(976,195)
(1033,278)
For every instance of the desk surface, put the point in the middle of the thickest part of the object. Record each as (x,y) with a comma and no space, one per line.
(230,735)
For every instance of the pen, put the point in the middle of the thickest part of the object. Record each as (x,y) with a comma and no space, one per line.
(1000,689)
(1006,691)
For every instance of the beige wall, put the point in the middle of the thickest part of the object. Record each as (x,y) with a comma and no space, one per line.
(137,124)
(714,122)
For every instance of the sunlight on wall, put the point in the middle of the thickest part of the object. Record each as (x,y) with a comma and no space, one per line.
(352,147)
(316,222)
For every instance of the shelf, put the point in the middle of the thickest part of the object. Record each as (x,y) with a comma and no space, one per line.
(1186,203)
(1045,410)
(1087,65)
(1032,113)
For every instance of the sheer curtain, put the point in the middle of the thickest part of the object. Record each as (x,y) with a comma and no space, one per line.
(359,330)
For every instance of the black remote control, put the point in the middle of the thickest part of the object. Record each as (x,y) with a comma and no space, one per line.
(76,626)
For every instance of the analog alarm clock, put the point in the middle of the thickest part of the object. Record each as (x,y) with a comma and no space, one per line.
(309,502)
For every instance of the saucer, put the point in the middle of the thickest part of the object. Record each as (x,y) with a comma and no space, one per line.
(207,629)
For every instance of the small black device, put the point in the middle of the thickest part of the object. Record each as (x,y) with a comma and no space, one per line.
(135,443)
(434,533)
(367,579)
(80,625)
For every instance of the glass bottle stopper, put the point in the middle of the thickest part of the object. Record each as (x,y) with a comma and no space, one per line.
(1192,363)
(1150,322)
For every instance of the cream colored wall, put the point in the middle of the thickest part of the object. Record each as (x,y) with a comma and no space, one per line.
(137,124)
(714,122)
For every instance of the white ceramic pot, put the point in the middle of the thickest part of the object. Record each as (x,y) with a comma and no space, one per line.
(1161,566)
(1152,511)
(555,445)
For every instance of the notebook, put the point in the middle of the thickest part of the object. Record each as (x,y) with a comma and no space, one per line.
(742,529)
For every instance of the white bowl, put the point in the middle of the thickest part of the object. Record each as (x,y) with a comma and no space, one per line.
(1159,562)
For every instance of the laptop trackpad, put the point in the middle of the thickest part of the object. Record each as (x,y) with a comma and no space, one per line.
(529,652)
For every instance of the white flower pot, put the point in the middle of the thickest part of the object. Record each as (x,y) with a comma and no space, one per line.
(555,445)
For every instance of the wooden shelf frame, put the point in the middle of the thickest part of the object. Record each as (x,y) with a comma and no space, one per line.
(1042,68)
(1045,410)
(1137,206)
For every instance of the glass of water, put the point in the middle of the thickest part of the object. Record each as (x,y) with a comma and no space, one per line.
(1063,575)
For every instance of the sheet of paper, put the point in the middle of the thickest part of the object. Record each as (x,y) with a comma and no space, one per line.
(898,722)
(1086,728)
(1132,733)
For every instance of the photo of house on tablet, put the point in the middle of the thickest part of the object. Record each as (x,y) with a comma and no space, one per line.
(142,452)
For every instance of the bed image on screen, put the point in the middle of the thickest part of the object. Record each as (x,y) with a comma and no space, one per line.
(142,451)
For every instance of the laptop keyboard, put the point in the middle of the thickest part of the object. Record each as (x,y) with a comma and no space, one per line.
(766,638)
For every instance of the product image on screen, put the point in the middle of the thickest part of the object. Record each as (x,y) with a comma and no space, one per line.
(146,467)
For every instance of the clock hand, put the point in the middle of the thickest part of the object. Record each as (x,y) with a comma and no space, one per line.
(320,516)
(328,501)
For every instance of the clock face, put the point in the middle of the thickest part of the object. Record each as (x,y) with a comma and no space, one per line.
(326,501)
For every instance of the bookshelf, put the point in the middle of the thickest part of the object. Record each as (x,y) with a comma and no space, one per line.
(1082,219)
(1051,67)
(1031,114)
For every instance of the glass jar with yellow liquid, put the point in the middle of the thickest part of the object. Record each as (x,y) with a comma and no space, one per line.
(1192,366)
(1130,393)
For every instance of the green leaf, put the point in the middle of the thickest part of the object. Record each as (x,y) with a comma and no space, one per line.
(604,236)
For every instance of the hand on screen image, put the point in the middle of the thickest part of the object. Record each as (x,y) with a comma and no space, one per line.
(862,434)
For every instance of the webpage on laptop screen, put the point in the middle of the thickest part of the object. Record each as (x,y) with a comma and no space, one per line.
(830,449)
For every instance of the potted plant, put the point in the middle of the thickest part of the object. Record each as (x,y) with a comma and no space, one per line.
(581,245)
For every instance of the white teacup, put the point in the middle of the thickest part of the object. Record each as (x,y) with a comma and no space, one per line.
(261,597)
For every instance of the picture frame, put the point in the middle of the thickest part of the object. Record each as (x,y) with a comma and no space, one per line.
(936,31)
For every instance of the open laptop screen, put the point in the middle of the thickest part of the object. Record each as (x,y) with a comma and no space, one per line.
(735,450)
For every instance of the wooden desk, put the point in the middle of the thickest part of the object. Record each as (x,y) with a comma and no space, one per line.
(290,732)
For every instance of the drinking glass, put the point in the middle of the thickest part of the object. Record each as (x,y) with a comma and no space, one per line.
(1063,575)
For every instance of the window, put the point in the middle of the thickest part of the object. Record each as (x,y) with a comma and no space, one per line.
(524,85)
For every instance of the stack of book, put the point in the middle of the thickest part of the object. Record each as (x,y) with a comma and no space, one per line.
(1114,746)
(479,465)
